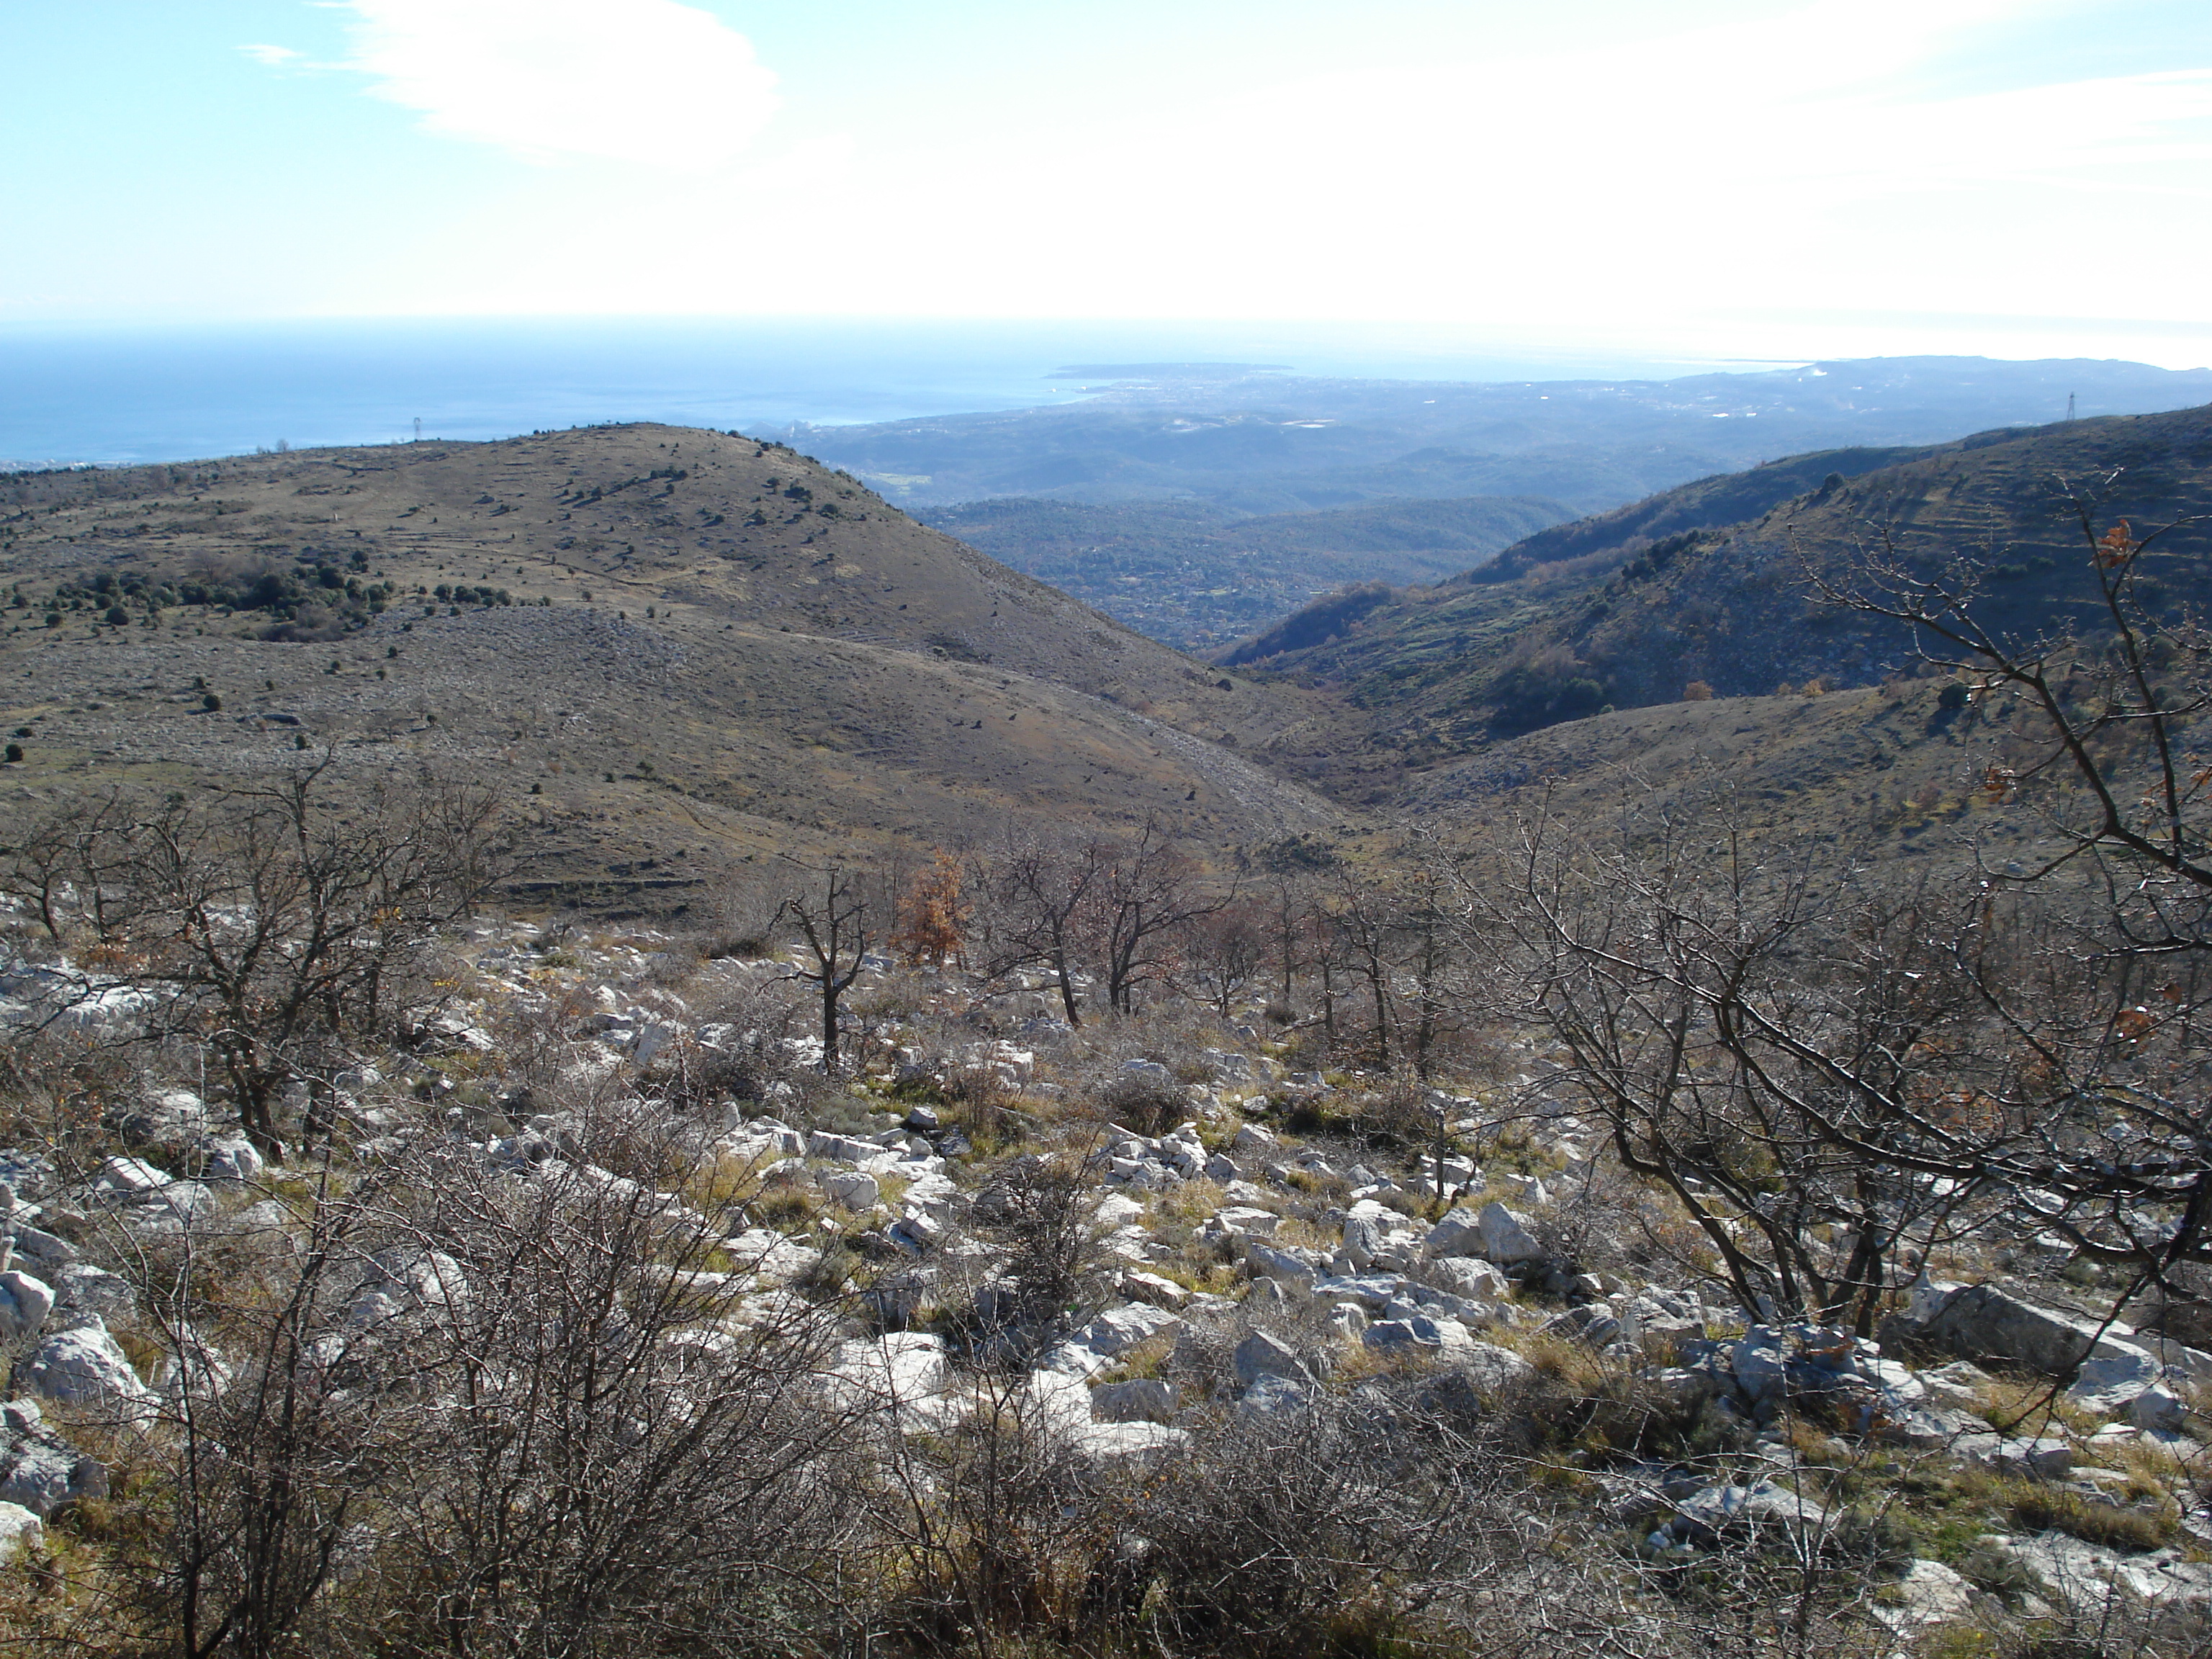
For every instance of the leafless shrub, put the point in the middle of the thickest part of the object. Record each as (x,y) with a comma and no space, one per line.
(1143,1103)
(1036,1209)
(465,1406)
(1344,1526)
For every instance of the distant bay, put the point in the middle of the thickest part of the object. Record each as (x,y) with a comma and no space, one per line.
(115,395)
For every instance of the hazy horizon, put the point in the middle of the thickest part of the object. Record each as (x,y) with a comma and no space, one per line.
(74,394)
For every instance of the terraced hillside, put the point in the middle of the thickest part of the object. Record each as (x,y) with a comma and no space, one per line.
(684,647)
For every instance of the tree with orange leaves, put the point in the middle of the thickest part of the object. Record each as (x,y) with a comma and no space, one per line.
(933,916)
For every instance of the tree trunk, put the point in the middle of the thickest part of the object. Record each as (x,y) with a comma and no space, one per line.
(1067,990)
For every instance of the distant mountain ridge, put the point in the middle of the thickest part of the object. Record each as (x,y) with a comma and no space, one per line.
(1254,443)
(1632,608)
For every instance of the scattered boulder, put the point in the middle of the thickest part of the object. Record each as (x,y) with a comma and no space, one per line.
(1756,1512)
(25,1302)
(230,1157)
(1505,1236)
(1248,1223)
(2158,1410)
(917,1235)
(1443,1338)
(856,1189)
(38,1469)
(1289,1268)
(125,1180)
(1469,1277)
(19,1529)
(81,1288)
(1275,1395)
(44,1250)
(1162,1292)
(1459,1234)
(2113,1376)
(1371,1291)
(1592,1323)
(2087,1577)
(1982,1322)
(841,1149)
(1116,1210)
(1119,1329)
(1261,1355)
(1929,1594)
(2045,1457)
(1146,1443)
(82,1367)
(905,1372)
(1146,1399)
(1364,1238)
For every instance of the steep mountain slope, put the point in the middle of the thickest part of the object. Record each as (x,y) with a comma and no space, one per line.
(694,647)
(1194,575)
(1631,609)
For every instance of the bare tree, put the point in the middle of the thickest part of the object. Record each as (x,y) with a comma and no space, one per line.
(1148,895)
(1361,920)
(281,926)
(1045,894)
(271,1457)
(2096,723)
(67,870)
(466,1403)
(1743,1023)
(1228,949)
(1792,1043)
(1288,905)
(834,918)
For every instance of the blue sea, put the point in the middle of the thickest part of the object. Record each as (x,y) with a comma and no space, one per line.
(77,394)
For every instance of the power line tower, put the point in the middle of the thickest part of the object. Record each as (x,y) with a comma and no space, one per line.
(2069,408)
(418,420)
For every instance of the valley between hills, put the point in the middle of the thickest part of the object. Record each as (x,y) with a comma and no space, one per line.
(1616,1098)
(680,650)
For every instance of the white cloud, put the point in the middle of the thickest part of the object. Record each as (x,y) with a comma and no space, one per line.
(1714,183)
(271,57)
(646,81)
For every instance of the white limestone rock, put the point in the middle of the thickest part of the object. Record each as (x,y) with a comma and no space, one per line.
(25,1302)
(1264,1355)
(1146,1399)
(1443,1338)
(83,1367)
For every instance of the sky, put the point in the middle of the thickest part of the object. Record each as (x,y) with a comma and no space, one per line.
(1741,178)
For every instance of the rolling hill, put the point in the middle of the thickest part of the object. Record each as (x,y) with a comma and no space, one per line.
(682,648)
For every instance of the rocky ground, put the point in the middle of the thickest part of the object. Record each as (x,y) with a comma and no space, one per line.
(1245,1241)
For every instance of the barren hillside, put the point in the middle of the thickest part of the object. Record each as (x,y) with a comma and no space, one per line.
(687,647)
